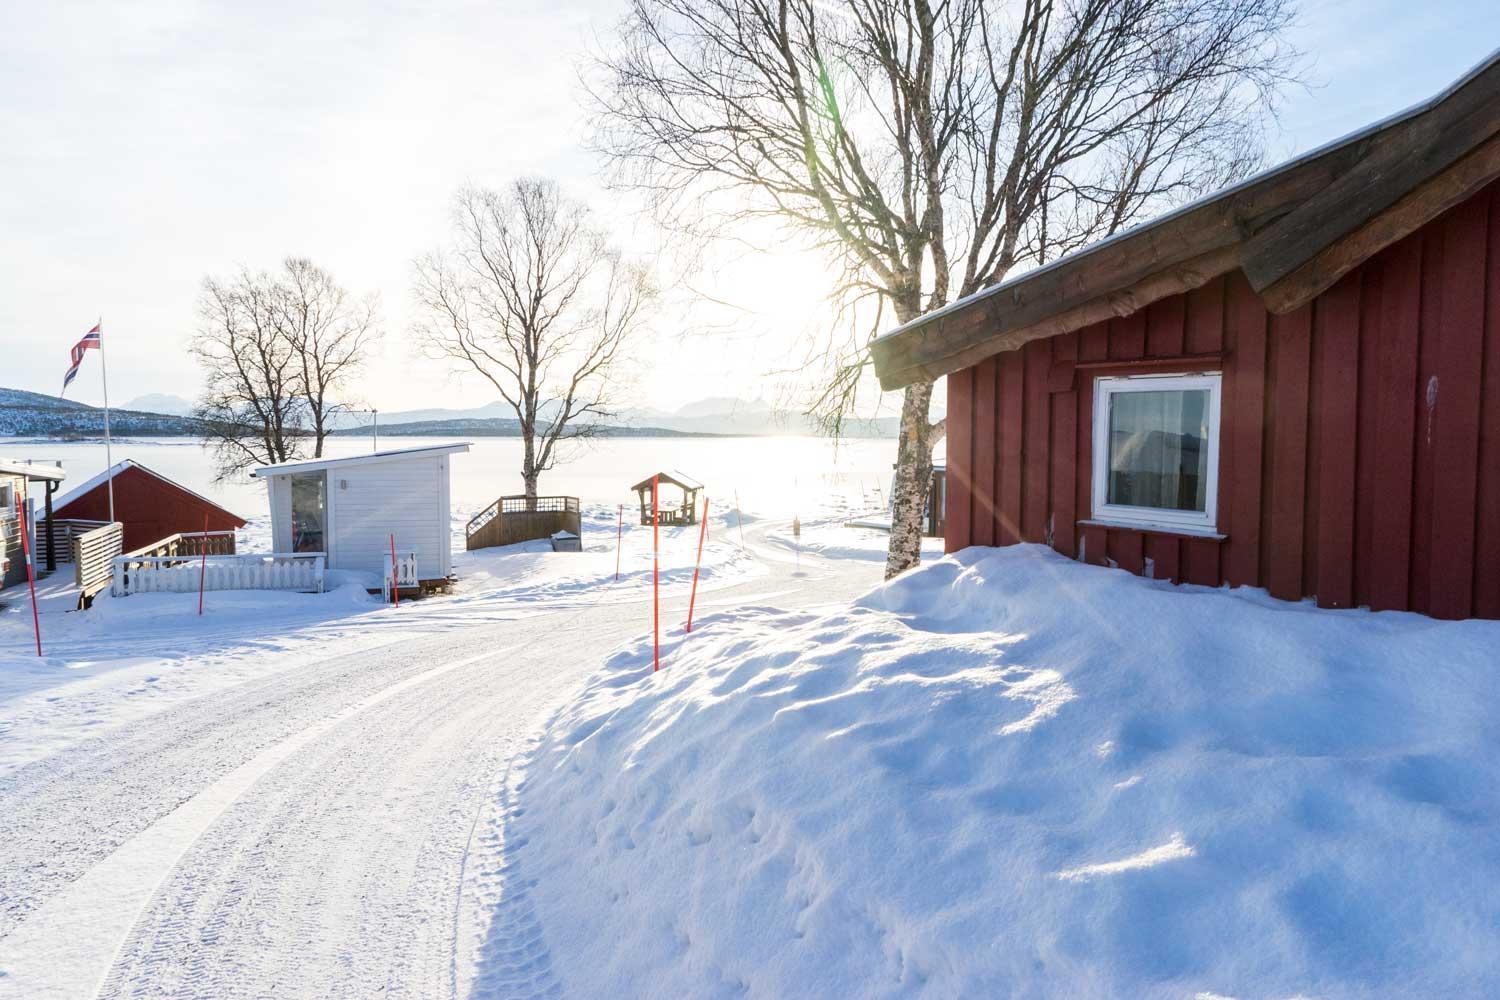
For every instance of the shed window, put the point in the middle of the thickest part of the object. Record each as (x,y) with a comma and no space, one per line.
(1156,451)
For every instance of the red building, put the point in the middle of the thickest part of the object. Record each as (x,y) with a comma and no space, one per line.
(1292,384)
(148,504)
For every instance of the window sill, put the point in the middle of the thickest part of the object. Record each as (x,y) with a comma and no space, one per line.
(1154,529)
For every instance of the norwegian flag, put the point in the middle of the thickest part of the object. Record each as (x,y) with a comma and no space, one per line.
(90,339)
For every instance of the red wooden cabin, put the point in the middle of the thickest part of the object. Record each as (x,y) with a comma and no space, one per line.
(148,504)
(1292,384)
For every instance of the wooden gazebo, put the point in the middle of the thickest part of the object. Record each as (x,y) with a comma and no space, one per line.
(687,513)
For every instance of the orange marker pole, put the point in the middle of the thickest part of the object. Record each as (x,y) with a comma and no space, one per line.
(702,534)
(36,623)
(655,577)
(395,575)
(203,566)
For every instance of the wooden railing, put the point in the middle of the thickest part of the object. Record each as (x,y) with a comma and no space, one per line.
(188,543)
(94,554)
(519,519)
(64,530)
(179,574)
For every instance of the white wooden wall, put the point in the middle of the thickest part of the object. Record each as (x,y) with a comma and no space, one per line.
(280,490)
(407,496)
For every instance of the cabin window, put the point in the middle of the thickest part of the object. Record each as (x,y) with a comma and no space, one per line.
(1156,451)
(309,511)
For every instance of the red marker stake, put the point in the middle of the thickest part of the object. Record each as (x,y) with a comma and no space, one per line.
(203,566)
(395,575)
(702,534)
(36,623)
(655,580)
(619,534)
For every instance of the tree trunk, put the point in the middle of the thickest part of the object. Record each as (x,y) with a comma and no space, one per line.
(913,480)
(530,480)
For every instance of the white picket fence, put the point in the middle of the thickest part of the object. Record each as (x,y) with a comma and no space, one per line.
(301,571)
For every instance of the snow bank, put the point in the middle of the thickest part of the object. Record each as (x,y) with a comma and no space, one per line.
(1009,774)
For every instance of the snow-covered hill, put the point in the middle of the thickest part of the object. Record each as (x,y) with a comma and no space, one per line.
(32,414)
(1007,774)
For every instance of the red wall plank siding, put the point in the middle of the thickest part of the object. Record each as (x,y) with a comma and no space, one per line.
(1337,479)
(1164,551)
(1038,425)
(1455,416)
(1165,333)
(1487,532)
(1063,449)
(1284,513)
(1337,418)
(1367,443)
(985,410)
(1205,318)
(958,530)
(1397,346)
(1243,430)
(1127,336)
(1012,416)
(1429,329)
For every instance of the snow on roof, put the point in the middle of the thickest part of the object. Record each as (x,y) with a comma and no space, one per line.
(32,470)
(672,478)
(116,470)
(393,454)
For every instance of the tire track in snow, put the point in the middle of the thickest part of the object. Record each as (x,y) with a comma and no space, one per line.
(74,937)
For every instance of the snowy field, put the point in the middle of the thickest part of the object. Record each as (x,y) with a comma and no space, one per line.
(1009,774)
(125,658)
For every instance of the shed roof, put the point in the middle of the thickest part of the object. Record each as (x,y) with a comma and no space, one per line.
(673,478)
(32,470)
(1294,229)
(115,471)
(391,455)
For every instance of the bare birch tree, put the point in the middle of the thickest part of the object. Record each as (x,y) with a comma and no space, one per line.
(278,353)
(931,147)
(330,334)
(250,400)
(532,298)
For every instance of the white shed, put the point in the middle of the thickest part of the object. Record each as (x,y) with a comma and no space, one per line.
(350,507)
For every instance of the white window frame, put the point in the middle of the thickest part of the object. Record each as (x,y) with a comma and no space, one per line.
(1179,521)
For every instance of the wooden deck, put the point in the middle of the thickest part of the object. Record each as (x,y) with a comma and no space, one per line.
(515,519)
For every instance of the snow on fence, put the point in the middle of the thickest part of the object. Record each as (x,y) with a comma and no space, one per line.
(178,574)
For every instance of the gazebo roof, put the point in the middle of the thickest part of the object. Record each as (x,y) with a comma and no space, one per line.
(673,478)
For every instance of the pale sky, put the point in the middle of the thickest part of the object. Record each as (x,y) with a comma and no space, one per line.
(146,144)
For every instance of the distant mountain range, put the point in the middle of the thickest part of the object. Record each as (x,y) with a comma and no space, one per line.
(716,417)
(32,414)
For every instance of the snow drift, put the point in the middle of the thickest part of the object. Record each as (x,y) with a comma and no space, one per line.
(1009,774)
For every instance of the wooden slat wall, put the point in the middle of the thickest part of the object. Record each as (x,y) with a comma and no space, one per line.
(1360,458)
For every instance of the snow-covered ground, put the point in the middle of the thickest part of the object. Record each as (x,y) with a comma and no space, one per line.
(1010,774)
(126,658)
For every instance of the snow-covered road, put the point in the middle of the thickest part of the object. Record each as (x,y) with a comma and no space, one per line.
(314,832)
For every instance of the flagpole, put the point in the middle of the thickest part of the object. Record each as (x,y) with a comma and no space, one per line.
(109,462)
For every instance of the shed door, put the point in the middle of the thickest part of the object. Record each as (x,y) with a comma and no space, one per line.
(309,512)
